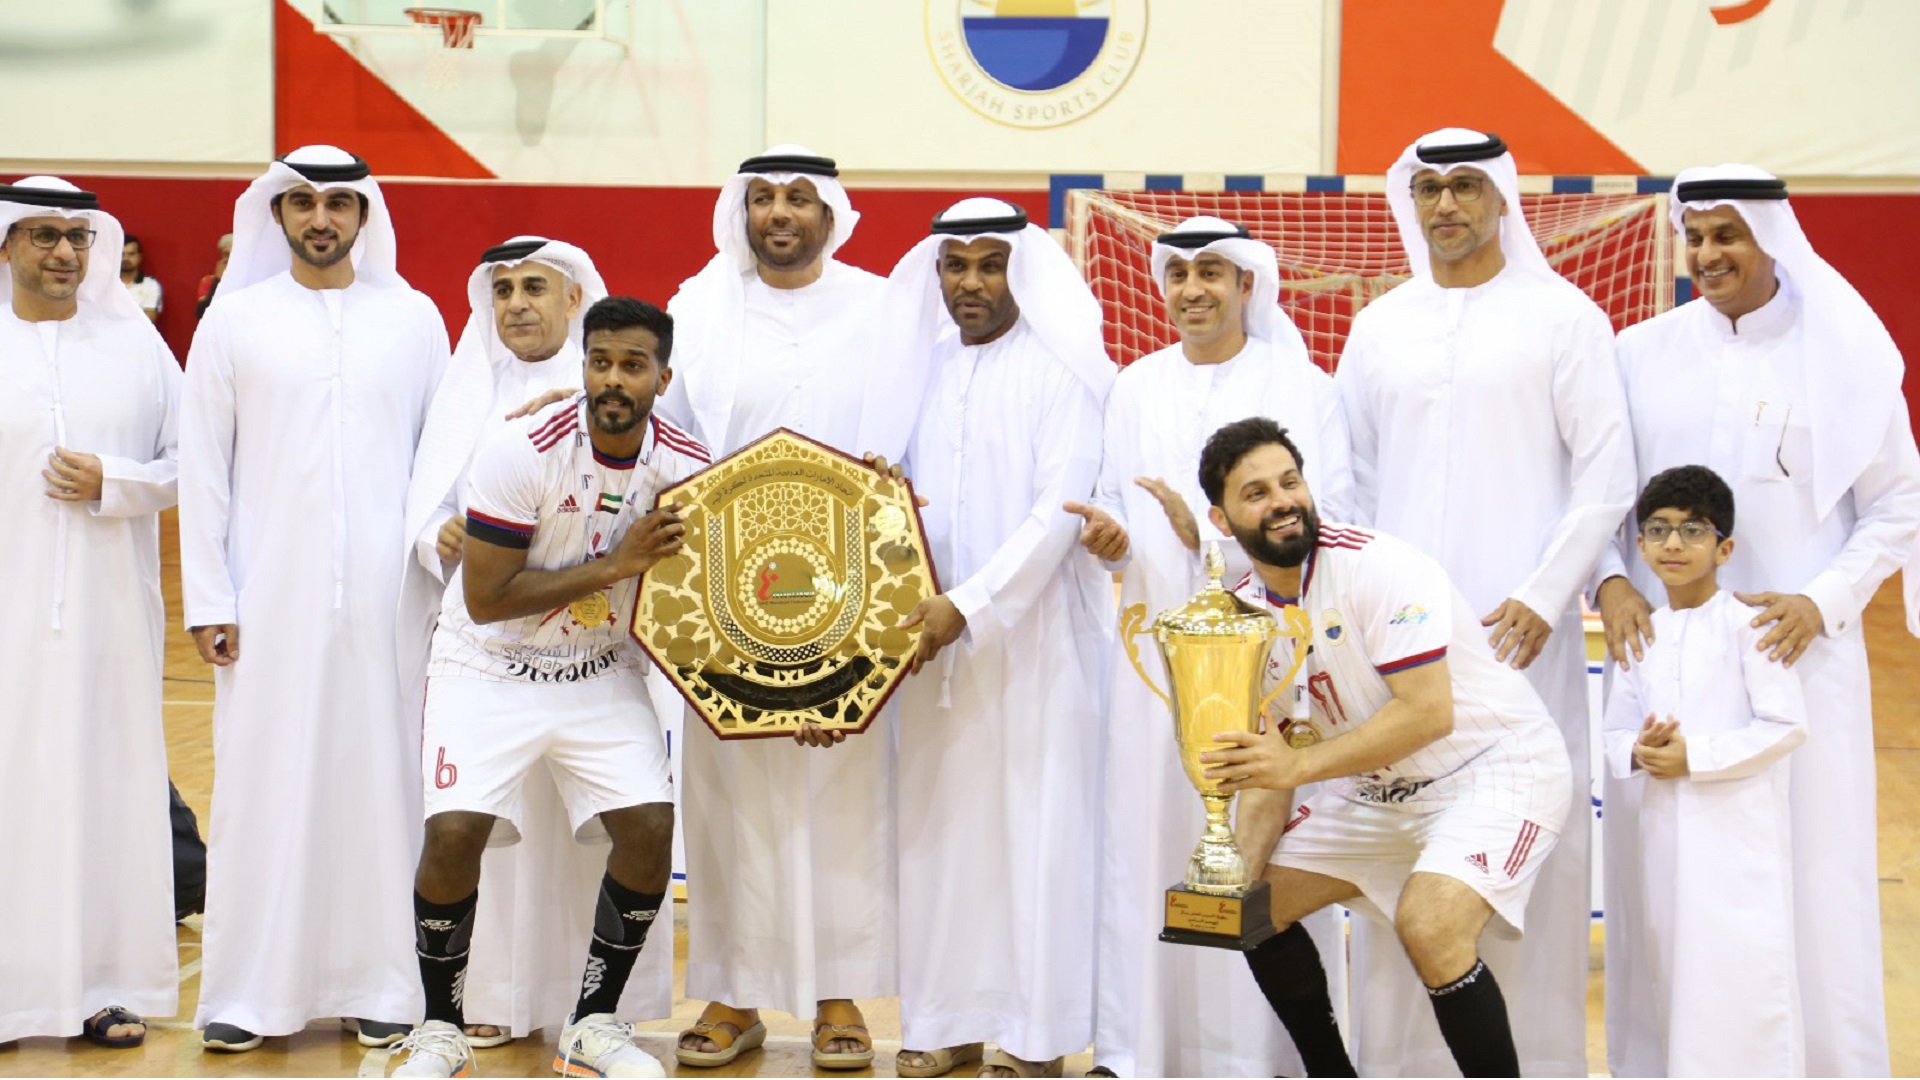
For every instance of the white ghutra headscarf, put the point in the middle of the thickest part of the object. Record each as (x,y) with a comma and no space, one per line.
(1444,151)
(1054,299)
(712,302)
(260,248)
(458,414)
(50,196)
(1263,317)
(1854,383)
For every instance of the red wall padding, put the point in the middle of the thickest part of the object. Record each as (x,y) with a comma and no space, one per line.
(647,240)
(1859,234)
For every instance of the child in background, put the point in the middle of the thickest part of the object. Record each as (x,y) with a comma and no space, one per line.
(1707,720)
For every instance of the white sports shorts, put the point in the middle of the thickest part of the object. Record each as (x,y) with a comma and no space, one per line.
(1494,852)
(598,737)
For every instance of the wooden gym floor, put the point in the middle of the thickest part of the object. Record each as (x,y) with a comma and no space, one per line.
(324,1049)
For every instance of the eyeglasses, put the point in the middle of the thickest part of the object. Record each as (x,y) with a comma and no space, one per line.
(46,236)
(1465,189)
(1692,533)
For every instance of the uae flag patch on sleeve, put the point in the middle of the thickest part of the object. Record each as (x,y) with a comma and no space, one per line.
(609,502)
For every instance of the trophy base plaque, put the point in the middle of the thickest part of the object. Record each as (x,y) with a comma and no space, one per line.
(1240,922)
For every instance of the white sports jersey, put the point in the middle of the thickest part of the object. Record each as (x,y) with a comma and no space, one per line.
(540,485)
(1379,606)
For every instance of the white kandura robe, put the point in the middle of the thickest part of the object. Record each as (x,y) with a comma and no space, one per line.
(297,433)
(1713,850)
(1000,734)
(790,868)
(537,896)
(1490,431)
(1182,1010)
(86,919)
(1695,388)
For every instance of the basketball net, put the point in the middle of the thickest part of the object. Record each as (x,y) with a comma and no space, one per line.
(1338,251)
(456,27)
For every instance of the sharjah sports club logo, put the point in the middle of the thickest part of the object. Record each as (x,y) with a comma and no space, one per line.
(1036,63)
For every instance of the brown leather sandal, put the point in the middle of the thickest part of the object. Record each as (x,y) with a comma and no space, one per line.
(825,1034)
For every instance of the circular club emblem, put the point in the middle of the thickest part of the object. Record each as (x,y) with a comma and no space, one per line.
(1333,627)
(1036,63)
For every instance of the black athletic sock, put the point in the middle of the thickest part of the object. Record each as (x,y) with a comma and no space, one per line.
(1473,1019)
(442,936)
(620,924)
(1287,967)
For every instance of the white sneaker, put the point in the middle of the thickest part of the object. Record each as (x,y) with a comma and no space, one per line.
(435,1048)
(599,1045)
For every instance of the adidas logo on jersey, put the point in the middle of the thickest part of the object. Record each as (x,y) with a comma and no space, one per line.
(569,506)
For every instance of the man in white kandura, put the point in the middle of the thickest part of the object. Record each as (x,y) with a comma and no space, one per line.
(1447,782)
(527,297)
(1173,1010)
(790,873)
(86,466)
(1000,725)
(1489,431)
(535,673)
(1781,379)
(305,394)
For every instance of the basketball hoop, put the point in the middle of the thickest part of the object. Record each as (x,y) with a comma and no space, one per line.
(457,26)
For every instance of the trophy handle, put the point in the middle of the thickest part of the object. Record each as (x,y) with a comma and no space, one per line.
(1132,624)
(1298,627)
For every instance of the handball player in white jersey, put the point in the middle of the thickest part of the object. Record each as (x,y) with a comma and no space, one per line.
(1448,783)
(532,667)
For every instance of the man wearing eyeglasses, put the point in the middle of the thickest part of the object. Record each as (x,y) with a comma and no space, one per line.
(1490,431)
(1781,379)
(86,466)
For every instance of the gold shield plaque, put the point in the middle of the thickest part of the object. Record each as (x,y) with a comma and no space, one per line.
(784,605)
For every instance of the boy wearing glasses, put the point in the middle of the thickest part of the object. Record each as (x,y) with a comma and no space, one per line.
(1781,379)
(1703,724)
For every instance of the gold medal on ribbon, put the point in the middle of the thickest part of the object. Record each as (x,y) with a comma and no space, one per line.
(591,610)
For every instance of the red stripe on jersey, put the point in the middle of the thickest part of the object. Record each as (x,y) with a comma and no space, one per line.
(556,419)
(1413,661)
(1522,847)
(1300,816)
(675,439)
(548,441)
(1244,581)
(1350,541)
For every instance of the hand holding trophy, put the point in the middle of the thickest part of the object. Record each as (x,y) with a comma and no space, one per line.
(1215,647)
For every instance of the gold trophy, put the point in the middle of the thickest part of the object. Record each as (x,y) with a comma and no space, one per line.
(1216,649)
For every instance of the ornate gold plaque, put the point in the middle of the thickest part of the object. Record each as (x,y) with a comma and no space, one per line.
(784,605)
